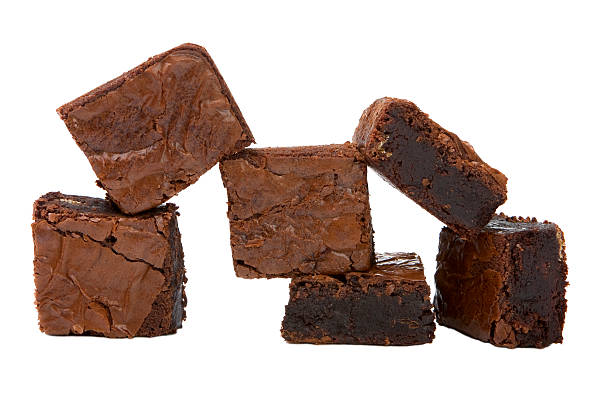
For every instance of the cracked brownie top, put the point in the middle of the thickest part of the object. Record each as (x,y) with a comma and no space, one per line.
(98,271)
(154,130)
(298,211)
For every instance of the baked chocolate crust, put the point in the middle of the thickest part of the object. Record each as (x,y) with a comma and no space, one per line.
(388,305)
(431,165)
(154,130)
(99,272)
(298,211)
(505,286)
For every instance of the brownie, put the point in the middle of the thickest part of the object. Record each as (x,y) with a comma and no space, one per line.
(156,129)
(387,305)
(429,164)
(99,272)
(298,211)
(506,286)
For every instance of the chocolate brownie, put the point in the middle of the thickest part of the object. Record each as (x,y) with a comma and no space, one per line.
(156,129)
(505,286)
(298,211)
(99,272)
(429,164)
(388,305)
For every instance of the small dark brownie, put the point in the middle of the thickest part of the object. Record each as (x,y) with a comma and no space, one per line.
(388,305)
(99,272)
(298,211)
(505,286)
(429,164)
(156,129)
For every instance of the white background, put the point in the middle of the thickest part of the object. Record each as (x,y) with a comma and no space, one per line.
(527,83)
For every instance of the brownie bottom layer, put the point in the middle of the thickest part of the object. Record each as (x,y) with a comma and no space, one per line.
(368,319)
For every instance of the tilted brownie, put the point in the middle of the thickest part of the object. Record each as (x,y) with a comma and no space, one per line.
(99,272)
(298,211)
(156,129)
(388,305)
(505,286)
(429,164)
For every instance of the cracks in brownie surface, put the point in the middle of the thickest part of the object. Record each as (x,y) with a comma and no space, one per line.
(107,243)
(99,302)
(100,305)
(275,209)
(314,239)
(304,195)
(242,263)
(109,315)
(289,204)
(295,220)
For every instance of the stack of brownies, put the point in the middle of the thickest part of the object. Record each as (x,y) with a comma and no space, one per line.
(114,267)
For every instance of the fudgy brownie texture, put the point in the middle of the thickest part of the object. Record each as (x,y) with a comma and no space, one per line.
(99,272)
(505,286)
(388,305)
(429,164)
(298,211)
(156,129)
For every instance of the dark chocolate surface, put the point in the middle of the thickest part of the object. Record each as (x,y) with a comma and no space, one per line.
(298,211)
(388,305)
(505,286)
(429,164)
(156,129)
(100,272)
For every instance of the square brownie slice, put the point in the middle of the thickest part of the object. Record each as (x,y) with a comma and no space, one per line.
(388,305)
(99,272)
(505,286)
(431,165)
(298,211)
(156,129)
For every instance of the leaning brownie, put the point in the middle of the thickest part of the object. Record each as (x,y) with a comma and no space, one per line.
(388,305)
(298,211)
(99,272)
(429,164)
(156,129)
(505,286)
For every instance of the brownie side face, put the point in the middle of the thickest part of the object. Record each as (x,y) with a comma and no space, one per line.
(298,211)
(99,272)
(380,308)
(431,165)
(505,286)
(156,129)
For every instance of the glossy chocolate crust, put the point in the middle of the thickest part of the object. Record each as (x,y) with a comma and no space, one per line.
(505,286)
(298,211)
(388,305)
(429,164)
(99,272)
(156,129)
